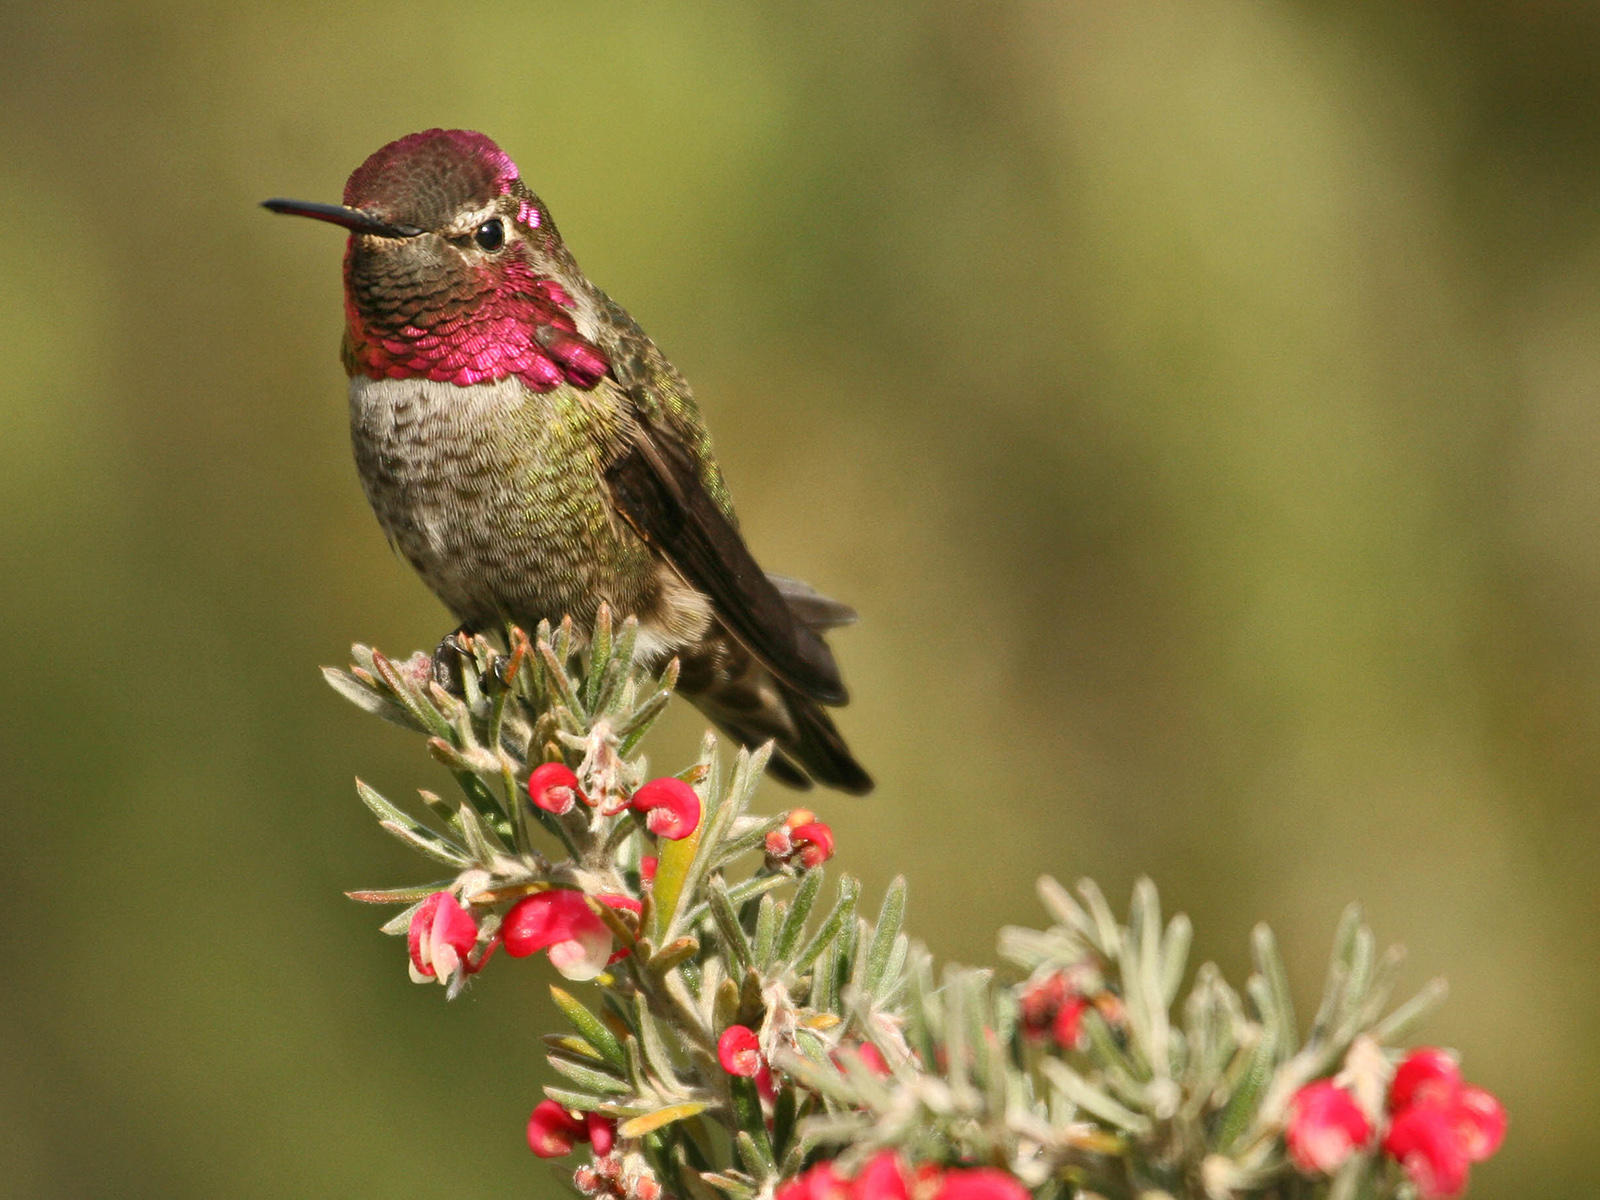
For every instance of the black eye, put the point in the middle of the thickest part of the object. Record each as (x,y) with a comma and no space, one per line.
(491,235)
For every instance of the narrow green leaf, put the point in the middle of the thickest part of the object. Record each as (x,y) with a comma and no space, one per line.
(727,922)
(890,917)
(755,1151)
(652,1048)
(766,931)
(843,912)
(587,1077)
(405,895)
(589,1102)
(1270,964)
(632,731)
(794,922)
(594,1030)
(1398,1024)
(1106,934)
(1239,1112)
(430,844)
(599,655)
(376,703)
(561,683)
(1096,1101)
(677,951)
(1175,956)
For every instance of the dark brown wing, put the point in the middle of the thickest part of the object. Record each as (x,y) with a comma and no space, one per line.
(657,489)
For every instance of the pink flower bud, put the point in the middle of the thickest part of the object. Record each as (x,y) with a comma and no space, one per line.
(1427,1076)
(560,921)
(647,869)
(553,788)
(979,1183)
(440,937)
(739,1051)
(552,1130)
(1424,1141)
(670,807)
(1326,1126)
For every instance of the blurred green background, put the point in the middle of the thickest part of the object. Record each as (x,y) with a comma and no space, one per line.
(1197,399)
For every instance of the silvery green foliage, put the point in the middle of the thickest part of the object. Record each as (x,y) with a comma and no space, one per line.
(1165,1093)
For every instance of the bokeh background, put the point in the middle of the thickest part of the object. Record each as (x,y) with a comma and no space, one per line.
(1197,399)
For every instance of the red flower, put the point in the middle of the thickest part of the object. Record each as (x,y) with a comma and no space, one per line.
(560,921)
(883,1178)
(802,837)
(1055,1006)
(821,1182)
(739,1051)
(814,841)
(1427,1076)
(440,937)
(670,807)
(979,1183)
(1440,1125)
(1326,1126)
(553,787)
(1424,1141)
(647,869)
(552,1130)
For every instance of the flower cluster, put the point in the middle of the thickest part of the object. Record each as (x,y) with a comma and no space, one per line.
(1437,1125)
(745,1038)
(564,922)
(887,1177)
(553,1130)
(802,840)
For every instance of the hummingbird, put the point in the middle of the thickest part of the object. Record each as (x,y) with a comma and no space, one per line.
(534,455)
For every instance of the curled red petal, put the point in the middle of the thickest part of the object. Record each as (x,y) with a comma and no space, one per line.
(670,807)
(553,787)
(552,1130)
(544,919)
(739,1051)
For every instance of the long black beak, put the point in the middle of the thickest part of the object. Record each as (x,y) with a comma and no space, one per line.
(352,219)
